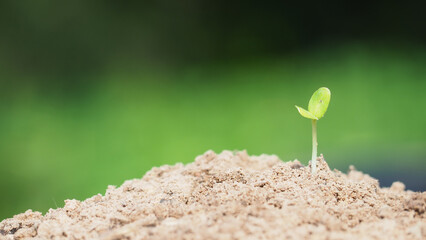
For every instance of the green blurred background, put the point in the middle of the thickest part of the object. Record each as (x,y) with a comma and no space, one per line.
(97,92)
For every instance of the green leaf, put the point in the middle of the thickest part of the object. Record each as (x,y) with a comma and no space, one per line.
(305,113)
(319,101)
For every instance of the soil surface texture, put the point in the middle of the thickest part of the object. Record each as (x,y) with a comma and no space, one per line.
(232,195)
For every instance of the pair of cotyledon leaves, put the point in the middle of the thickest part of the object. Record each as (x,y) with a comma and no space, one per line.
(318,104)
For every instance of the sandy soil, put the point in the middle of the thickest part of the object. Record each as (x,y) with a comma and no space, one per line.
(234,196)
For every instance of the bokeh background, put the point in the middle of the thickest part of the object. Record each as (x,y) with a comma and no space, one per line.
(97,92)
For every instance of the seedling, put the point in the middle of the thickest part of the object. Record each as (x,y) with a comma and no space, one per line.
(318,105)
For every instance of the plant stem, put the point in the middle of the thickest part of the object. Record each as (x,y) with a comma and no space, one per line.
(314,146)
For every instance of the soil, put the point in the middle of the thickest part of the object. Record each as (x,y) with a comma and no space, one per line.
(235,196)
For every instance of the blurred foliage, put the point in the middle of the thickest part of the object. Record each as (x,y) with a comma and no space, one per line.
(96,92)
(68,38)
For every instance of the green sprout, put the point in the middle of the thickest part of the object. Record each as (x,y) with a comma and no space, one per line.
(317,107)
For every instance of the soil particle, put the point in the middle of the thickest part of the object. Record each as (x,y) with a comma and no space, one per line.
(234,196)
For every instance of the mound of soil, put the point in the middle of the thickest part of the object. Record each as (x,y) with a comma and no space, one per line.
(234,196)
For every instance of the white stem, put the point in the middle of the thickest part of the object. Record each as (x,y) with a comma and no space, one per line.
(314,146)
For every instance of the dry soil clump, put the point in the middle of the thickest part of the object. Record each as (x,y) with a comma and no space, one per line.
(234,196)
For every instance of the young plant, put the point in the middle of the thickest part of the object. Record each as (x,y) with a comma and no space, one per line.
(317,107)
